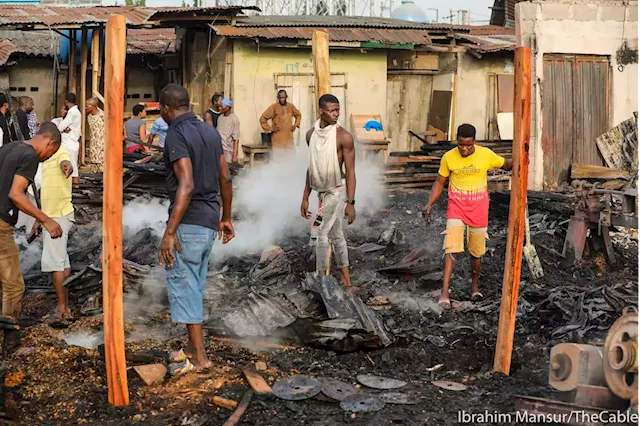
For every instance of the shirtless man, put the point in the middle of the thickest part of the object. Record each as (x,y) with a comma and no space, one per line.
(330,148)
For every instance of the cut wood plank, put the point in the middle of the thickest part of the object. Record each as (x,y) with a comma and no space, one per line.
(242,407)
(415,178)
(588,171)
(411,185)
(256,381)
(229,404)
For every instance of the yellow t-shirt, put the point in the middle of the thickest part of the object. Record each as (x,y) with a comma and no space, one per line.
(55,193)
(468,196)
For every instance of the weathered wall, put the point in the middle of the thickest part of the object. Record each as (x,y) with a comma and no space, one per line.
(140,83)
(34,78)
(206,59)
(473,88)
(589,27)
(253,81)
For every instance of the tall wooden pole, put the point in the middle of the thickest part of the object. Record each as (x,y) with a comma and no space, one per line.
(115,54)
(72,87)
(515,230)
(95,61)
(321,70)
(83,91)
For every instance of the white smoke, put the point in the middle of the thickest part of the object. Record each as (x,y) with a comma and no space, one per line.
(145,213)
(268,201)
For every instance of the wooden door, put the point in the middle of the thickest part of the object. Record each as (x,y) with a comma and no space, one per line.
(408,101)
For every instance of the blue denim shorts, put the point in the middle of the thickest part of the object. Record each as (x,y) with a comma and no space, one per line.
(188,275)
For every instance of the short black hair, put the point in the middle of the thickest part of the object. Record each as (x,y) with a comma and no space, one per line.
(137,109)
(50,131)
(175,96)
(71,97)
(282,91)
(3,99)
(24,100)
(466,131)
(327,99)
(215,98)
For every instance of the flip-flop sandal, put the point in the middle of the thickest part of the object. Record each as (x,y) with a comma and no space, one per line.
(444,303)
(188,367)
(179,356)
(476,296)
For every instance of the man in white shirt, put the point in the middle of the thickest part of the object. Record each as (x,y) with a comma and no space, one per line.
(71,129)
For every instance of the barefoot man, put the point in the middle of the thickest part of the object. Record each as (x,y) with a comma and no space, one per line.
(330,147)
(466,166)
(197,178)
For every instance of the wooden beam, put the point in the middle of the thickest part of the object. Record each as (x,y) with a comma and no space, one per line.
(71,77)
(96,36)
(228,68)
(321,70)
(515,229)
(589,171)
(115,55)
(84,47)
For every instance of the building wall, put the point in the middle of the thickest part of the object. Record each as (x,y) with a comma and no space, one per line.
(473,88)
(34,78)
(141,83)
(253,81)
(577,27)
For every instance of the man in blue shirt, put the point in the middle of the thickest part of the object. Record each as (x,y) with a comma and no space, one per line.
(160,128)
(197,178)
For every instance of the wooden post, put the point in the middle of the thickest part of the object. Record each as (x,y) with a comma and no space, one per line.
(95,61)
(321,70)
(515,230)
(83,91)
(115,55)
(72,87)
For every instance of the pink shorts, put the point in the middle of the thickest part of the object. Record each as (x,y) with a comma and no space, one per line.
(133,148)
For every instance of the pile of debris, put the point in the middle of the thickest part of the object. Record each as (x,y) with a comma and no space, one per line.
(419,169)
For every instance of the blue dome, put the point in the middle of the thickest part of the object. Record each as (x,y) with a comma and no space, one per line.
(409,12)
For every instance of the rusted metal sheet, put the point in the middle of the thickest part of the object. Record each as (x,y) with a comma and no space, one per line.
(557,120)
(151,41)
(389,36)
(336,22)
(6,49)
(591,102)
(575,111)
(30,15)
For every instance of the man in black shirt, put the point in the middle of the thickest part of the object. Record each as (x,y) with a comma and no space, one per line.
(26,106)
(8,134)
(18,166)
(197,177)
(213,113)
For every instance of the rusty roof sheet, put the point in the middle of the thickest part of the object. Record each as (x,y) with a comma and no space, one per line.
(329,22)
(37,43)
(27,15)
(6,49)
(486,44)
(151,41)
(483,30)
(387,36)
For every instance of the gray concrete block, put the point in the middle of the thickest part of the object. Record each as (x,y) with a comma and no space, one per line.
(526,10)
(555,12)
(633,14)
(524,31)
(613,13)
(584,12)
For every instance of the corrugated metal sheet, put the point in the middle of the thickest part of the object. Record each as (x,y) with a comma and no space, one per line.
(37,43)
(6,49)
(57,16)
(336,22)
(484,30)
(155,41)
(494,43)
(387,36)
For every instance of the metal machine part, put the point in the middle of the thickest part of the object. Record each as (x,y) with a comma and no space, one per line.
(620,356)
(572,365)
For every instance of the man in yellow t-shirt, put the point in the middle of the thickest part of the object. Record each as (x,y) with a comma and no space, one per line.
(55,196)
(466,168)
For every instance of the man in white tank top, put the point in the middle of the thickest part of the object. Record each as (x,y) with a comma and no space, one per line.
(330,148)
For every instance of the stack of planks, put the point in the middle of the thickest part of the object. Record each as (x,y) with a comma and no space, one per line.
(419,169)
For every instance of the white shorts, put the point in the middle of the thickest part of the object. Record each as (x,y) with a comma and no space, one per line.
(74,149)
(55,257)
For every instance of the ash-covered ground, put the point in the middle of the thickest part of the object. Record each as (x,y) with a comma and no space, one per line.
(58,383)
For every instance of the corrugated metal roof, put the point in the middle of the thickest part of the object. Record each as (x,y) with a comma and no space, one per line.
(333,22)
(155,41)
(387,36)
(483,30)
(58,16)
(6,49)
(486,44)
(35,43)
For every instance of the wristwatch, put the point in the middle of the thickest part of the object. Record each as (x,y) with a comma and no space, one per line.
(352,202)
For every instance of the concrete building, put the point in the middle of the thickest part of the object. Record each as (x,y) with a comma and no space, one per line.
(585,79)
